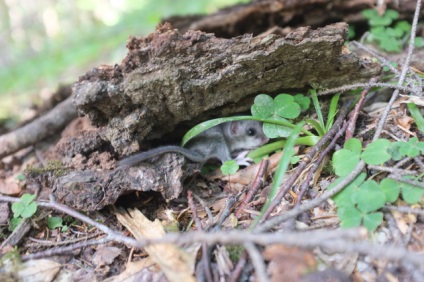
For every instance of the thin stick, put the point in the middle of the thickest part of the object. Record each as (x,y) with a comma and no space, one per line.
(257,261)
(405,69)
(257,183)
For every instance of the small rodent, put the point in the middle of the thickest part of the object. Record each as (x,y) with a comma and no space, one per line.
(219,142)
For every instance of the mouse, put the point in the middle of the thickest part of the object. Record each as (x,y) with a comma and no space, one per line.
(224,142)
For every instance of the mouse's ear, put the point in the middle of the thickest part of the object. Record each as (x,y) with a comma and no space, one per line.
(235,127)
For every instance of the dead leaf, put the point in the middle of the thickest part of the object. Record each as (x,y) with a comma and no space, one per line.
(225,265)
(38,270)
(176,264)
(405,121)
(10,186)
(288,263)
(137,271)
(105,255)
(419,101)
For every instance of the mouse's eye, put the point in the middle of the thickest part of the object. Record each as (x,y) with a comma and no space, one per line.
(251,132)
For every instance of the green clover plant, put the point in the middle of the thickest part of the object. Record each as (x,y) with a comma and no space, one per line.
(389,35)
(25,208)
(359,202)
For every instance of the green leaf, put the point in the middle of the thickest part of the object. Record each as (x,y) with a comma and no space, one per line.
(354,145)
(303,101)
(376,153)
(286,107)
(344,197)
(378,33)
(411,194)
(349,217)
(344,161)
(209,124)
(27,198)
(380,21)
(370,13)
(230,167)
(294,160)
(418,145)
(320,130)
(279,145)
(25,207)
(394,32)
(54,222)
(373,220)
(317,107)
(281,169)
(14,222)
(419,42)
(392,14)
(390,44)
(263,106)
(417,116)
(409,148)
(17,209)
(351,32)
(369,197)
(403,25)
(391,189)
(394,151)
(29,210)
(275,130)
(20,177)
(332,111)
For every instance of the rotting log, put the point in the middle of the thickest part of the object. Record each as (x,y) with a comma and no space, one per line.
(168,79)
(261,15)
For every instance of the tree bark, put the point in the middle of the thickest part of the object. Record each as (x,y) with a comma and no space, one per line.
(168,79)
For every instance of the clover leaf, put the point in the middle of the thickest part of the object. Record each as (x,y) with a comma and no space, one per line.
(376,153)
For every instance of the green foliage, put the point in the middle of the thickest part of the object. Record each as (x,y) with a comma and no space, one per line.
(391,189)
(410,193)
(412,148)
(344,161)
(281,108)
(25,208)
(376,153)
(303,101)
(235,252)
(417,116)
(14,222)
(274,113)
(388,34)
(281,169)
(359,202)
(229,167)
(320,126)
(21,177)
(54,222)
(294,160)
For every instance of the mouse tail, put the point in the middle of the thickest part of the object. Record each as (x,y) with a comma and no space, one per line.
(140,157)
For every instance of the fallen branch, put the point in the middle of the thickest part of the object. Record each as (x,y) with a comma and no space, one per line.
(39,129)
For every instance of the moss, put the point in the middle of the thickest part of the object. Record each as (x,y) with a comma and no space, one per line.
(53,167)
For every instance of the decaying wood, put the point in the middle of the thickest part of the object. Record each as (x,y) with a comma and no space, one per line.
(168,79)
(93,190)
(261,15)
